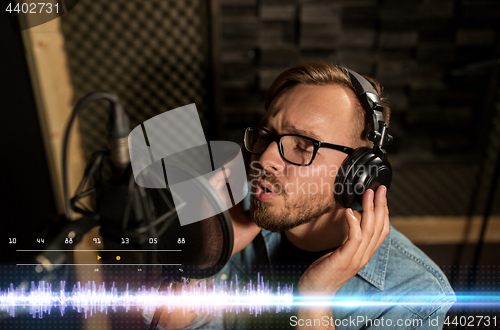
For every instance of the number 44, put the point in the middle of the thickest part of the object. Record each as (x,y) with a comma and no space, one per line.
(10,10)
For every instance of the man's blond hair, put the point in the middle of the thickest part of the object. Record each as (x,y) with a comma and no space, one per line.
(321,73)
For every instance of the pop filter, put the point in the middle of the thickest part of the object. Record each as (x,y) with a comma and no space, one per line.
(198,240)
(200,249)
(172,160)
(153,232)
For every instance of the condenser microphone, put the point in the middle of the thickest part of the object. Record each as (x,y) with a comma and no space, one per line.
(119,129)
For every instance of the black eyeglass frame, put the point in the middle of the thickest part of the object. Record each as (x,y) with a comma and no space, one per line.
(277,138)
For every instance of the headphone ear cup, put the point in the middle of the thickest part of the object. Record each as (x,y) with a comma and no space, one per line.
(361,170)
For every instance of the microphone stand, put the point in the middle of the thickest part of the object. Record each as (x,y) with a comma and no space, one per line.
(122,208)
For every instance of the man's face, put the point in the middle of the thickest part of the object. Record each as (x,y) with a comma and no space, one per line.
(301,194)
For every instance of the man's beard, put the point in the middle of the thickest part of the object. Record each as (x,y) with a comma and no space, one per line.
(297,211)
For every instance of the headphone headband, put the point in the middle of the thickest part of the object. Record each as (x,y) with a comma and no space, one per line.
(372,104)
(365,168)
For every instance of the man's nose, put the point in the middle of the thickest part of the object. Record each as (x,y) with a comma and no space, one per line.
(271,159)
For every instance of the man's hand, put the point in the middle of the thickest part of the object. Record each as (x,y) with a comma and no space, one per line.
(245,229)
(329,273)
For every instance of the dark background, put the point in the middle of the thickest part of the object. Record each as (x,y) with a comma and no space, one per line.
(436,59)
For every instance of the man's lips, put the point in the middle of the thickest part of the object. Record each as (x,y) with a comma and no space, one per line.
(266,186)
(265,191)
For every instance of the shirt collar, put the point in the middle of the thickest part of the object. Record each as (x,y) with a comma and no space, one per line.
(375,270)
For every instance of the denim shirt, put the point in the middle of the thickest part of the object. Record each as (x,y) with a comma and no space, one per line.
(397,272)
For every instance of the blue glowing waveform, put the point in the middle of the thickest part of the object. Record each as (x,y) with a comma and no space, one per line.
(200,297)
(90,298)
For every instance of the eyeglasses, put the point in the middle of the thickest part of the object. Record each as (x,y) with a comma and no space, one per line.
(294,148)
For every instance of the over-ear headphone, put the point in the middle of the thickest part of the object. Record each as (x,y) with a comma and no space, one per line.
(366,168)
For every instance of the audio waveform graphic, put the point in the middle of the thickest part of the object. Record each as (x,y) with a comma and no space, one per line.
(89,298)
(256,298)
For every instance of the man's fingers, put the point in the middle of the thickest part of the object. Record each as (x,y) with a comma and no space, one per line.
(226,171)
(381,214)
(381,209)
(386,228)
(219,178)
(354,238)
(367,222)
(368,216)
(372,224)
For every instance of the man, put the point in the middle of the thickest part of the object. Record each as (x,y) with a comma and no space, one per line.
(308,239)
